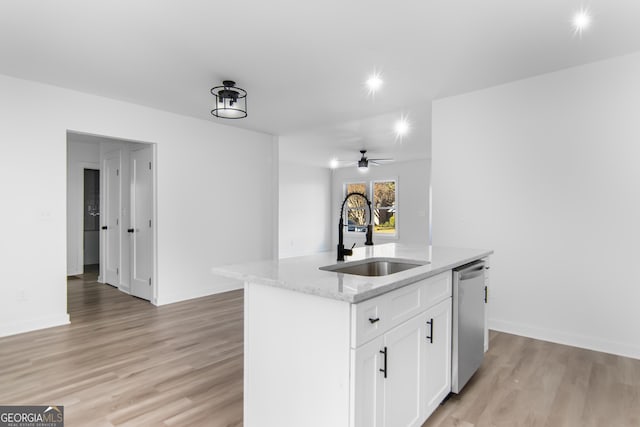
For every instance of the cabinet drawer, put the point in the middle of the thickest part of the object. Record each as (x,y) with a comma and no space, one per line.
(436,289)
(368,320)
(373,317)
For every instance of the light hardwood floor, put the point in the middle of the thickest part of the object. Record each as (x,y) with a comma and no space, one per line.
(124,362)
(526,382)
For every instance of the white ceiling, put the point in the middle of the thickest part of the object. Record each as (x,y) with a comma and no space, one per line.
(303,63)
(317,146)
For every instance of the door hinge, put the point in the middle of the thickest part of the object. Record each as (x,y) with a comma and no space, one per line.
(149,165)
(149,223)
(117,221)
(117,271)
(117,172)
(149,281)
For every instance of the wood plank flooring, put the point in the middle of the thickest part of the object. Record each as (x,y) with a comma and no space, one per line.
(124,362)
(526,382)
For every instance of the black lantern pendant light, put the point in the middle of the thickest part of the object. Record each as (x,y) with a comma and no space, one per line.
(231,101)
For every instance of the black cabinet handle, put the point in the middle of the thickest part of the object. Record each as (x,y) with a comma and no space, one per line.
(104,227)
(130,230)
(384,371)
(486,294)
(372,320)
(430,337)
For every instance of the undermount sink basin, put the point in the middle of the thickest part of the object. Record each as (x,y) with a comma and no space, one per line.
(374,267)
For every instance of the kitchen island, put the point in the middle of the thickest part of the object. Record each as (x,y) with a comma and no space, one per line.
(324,348)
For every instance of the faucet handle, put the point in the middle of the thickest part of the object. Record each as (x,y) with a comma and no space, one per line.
(369,236)
(354,245)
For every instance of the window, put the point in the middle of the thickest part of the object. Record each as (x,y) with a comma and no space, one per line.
(384,207)
(382,195)
(356,208)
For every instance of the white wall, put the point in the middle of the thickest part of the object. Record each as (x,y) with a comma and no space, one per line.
(545,171)
(79,156)
(412,200)
(211,178)
(304,209)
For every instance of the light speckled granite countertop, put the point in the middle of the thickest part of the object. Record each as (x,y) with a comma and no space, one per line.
(302,274)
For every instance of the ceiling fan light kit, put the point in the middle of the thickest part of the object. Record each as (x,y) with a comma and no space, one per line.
(363,163)
(231,101)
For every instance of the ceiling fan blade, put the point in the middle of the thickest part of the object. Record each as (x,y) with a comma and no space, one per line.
(380,162)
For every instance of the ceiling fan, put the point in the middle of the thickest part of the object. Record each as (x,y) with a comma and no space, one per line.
(363,163)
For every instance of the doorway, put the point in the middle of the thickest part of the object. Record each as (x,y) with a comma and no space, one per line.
(91,221)
(111,214)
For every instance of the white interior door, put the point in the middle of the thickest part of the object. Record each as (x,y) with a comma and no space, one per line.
(111,221)
(141,227)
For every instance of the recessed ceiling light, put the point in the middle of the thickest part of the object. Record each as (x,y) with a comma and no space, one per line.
(374,82)
(581,21)
(402,127)
(333,163)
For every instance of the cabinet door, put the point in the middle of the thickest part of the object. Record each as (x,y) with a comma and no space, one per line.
(436,370)
(367,382)
(402,386)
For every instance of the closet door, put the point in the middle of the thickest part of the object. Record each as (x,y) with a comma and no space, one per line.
(141,228)
(111,221)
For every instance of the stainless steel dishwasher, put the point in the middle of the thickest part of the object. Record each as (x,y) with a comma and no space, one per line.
(468,323)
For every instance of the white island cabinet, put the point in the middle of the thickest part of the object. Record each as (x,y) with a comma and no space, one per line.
(331,349)
(401,376)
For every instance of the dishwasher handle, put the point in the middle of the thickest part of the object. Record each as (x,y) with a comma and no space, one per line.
(471,271)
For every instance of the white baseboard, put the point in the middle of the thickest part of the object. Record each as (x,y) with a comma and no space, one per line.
(231,285)
(559,337)
(33,325)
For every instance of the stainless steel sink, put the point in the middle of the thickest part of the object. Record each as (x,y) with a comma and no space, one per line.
(374,267)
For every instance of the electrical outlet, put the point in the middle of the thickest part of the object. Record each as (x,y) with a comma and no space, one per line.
(45,215)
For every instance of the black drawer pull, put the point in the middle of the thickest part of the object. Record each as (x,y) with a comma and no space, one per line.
(430,337)
(372,320)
